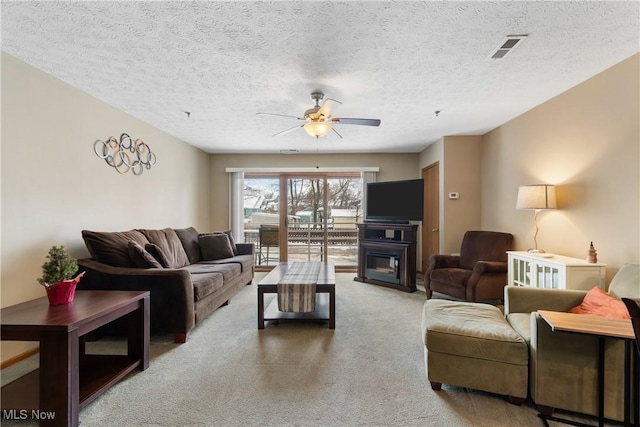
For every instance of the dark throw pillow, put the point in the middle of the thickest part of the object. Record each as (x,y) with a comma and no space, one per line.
(157,252)
(167,240)
(140,257)
(189,239)
(112,247)
(215,246)
(232,241)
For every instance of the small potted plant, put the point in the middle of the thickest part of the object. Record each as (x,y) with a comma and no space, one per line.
(57,276)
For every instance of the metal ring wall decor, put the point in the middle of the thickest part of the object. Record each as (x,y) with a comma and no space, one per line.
(126,155)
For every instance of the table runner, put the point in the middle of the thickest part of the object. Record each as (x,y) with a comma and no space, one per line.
(297,288)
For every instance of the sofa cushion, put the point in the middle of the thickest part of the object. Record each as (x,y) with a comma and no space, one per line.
(140,257)
(484,246)
(168,241)
(451,276)
(158,253)
(625,282)
(598,303)
(521,323)
(189,239)
(112,248)
(215,246)
(205,284)
(246,261)
(228,271)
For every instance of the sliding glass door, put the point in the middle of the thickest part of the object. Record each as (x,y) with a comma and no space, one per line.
(345,201)
(303,217)
(262,216)
(306,220)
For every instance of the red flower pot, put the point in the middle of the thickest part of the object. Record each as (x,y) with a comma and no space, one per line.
(63,292)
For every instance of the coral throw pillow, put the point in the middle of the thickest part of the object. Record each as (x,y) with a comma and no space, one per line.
(599,303)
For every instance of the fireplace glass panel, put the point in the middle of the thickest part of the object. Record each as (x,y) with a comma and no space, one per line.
(383,267)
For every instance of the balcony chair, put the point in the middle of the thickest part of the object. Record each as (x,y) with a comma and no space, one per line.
(268,237)
(479,273)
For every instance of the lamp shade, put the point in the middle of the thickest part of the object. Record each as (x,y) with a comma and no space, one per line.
(536,197)
(317,128)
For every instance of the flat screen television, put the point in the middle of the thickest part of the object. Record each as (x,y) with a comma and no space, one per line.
(395,201)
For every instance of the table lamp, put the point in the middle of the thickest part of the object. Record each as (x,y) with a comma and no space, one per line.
(536,197)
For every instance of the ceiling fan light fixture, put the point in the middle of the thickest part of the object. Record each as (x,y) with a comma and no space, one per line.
(318,120)
(317,129)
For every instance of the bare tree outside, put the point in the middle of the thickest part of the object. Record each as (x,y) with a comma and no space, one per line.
(307,195)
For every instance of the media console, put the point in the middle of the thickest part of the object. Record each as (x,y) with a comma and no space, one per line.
(387,255)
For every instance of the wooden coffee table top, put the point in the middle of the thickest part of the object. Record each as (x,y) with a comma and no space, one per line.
(326,277)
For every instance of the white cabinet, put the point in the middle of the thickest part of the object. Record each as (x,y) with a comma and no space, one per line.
(553,271)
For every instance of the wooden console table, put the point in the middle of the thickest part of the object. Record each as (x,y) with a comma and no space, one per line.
(68,378)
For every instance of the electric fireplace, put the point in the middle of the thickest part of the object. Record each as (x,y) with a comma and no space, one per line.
(387,255)
(382,267)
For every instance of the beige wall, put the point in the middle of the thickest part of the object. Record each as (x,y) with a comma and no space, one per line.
(586,141)
(392,167)
(462,175)
(460,166)
(53,185)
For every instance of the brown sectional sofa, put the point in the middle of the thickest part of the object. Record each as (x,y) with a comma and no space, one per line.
(188,274)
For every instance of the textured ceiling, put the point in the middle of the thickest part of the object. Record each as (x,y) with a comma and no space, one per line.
(395,61)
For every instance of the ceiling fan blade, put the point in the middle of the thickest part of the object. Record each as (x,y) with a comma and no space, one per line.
(288,130)
(362,122)
(279,115)
(334,129)
(325,108)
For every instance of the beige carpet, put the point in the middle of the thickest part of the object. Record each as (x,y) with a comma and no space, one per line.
(369,371)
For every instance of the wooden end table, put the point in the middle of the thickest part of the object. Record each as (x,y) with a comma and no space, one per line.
(325,307)
(602,327)
(68,378)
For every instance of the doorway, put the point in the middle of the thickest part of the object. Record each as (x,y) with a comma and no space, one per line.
(306,224)
(313,217)
(431,218)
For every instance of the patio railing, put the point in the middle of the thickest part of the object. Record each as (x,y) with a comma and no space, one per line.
(306,236)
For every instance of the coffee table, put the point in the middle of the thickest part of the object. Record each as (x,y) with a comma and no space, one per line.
(68,378)
(325,297)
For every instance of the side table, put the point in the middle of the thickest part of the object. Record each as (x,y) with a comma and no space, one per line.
(603,327)
(68,378)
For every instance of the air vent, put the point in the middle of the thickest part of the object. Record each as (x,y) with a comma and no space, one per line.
(507,46)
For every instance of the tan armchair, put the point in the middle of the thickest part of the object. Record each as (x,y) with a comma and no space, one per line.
(480,271)
(563,366)
(634,311)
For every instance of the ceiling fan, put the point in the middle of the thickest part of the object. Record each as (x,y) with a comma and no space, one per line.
(318,119)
